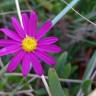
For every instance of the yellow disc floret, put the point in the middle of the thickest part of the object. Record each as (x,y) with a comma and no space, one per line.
(29,44)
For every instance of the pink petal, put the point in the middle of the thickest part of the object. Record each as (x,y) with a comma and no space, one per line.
(7,42)
(50,48)
(9,50)
(48,40)
(44,29)
(25,22)
(36,65)
(15,62)
(45,57)
(18,27)
(33,24)
(10,34)
(26,65)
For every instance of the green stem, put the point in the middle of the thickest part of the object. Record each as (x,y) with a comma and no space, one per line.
(64,11)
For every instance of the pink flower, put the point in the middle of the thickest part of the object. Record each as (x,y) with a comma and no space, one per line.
(29,44)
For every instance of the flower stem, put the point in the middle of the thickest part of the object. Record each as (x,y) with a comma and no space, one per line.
(64,11)
(46,77)
(46,85)
(19,12)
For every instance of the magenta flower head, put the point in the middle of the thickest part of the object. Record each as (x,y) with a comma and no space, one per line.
(29,45)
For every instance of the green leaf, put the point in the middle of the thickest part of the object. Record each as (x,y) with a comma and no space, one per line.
(86,86)
(54,83)
(63,57)
(74,89)
(40,92)
(46,4)
(2,84)
(62,67)
(7,5)
(61,63)
(67,70)
(66,91)
(57,7)
(90,67)
(73,69)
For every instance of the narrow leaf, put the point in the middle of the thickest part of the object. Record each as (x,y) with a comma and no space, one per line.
(90,67)
(54,84)
(88,72)
(86,86)
(61,61)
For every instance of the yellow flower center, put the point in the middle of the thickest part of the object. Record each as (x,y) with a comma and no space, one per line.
(29,44)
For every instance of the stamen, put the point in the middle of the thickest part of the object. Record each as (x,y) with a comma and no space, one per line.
(29,44)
